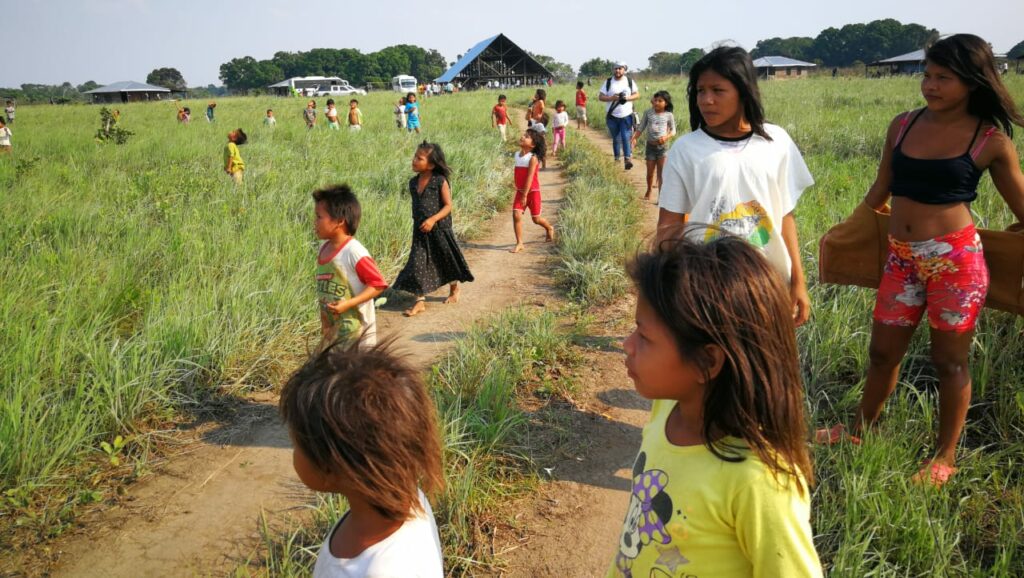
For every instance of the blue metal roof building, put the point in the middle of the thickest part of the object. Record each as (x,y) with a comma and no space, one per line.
(495,58)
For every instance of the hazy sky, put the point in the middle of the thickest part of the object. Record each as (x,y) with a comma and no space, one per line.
(52,41)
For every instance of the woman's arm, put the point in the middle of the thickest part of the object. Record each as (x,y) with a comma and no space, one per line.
(1006,174)
(797,283)
(446,208)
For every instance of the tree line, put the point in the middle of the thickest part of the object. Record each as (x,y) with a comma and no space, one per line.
(247,73)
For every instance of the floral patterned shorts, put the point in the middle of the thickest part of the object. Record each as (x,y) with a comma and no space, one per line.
(946,275)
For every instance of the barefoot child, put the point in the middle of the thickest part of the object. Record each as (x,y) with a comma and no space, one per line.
(499,117)
(932,162)
(581,106)
(721,481)
(435,258)
(363,425)
(412,113)
(233,164)
(660,124)
(347,279)
(332,115)
(558,123)
(527,186)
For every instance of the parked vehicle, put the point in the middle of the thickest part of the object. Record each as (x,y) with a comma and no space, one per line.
(403,83)
(342,88)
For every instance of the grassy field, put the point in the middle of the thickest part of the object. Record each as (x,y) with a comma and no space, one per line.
(137,281)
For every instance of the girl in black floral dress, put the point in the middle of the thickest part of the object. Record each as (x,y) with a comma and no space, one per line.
(435,258)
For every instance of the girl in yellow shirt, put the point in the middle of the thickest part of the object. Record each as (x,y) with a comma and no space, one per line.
(233,164)
(720,486)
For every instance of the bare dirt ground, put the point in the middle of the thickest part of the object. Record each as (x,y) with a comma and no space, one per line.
(570,528)
(200,511)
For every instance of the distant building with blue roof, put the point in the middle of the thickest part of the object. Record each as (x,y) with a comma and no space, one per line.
(495,59)
(770,67)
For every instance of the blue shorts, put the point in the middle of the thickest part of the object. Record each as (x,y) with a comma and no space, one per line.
(412,123)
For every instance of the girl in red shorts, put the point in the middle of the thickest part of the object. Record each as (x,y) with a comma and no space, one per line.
(529,157)
(931,164)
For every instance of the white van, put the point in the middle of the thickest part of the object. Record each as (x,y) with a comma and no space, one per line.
(403,83)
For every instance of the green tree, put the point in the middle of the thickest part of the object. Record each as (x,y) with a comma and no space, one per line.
(665,63)
(690,57)
(87,86)
(798,47)
(597,67)
(168,78)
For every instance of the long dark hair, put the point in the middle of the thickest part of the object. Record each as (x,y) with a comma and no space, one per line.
(733,63)
(970,58)
(436,157)
(725,293)
(664,95)
(540,146)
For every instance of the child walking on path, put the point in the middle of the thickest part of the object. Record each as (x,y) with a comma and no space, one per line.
(660,124)
(527,185)
(412,113)
(581,106)
(931,164)
(735,171)
(435,258)
(499,117)
(558,123)
(233,164)
(347,278)
(363,425)
(722,479)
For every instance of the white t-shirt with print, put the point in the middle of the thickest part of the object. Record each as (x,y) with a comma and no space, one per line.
(743,187)
(615,87)
(413,551)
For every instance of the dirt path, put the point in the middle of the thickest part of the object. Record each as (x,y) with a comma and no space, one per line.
(199,513)
(570,528)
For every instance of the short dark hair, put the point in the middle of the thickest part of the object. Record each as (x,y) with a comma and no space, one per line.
(270,110)
(365,413)
(559,103)
(353,101)
(502,97)
(330,101)
(735,65)
(341,204)
(579,84)
(410,94)
(242,138)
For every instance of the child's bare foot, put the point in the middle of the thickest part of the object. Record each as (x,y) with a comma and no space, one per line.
(519,247)
(419,307)
(453,295)
(550,236)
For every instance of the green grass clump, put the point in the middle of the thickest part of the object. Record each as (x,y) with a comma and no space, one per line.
(477,387)
(599,225)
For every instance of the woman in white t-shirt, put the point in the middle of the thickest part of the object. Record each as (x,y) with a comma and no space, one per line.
(735,171)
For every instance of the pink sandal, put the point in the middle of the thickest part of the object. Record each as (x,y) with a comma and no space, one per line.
(934,474)
(834,435)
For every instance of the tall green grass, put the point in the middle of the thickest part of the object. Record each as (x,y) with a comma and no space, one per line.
(137,279)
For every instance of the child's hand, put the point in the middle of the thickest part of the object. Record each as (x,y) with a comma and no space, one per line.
(427,226)
(338,307)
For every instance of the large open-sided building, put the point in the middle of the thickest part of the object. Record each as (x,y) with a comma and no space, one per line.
(128,91)
(495,59)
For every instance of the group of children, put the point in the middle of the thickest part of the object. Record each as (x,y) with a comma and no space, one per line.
(354,118)
(407,113)
(721,483)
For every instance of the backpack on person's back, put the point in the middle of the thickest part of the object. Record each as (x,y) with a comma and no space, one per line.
(615,103)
